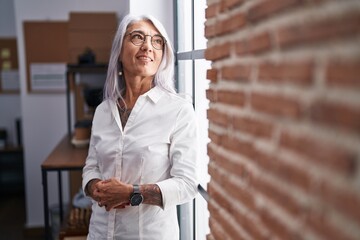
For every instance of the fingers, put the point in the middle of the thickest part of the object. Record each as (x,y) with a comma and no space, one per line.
(103,204)
(122,205)
(109,206)
(108,194)
(106,180)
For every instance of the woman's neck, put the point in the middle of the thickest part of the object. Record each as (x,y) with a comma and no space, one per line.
(135,88)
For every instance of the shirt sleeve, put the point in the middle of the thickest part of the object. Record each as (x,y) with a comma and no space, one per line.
(91,168)
(182,186)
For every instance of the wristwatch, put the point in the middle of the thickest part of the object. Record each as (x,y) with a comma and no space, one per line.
(136,197)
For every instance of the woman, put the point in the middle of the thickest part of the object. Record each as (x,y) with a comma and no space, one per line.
(143,148)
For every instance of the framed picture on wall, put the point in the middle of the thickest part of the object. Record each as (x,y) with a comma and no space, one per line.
(48,76)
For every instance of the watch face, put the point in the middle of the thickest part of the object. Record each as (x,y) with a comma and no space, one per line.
(136,199)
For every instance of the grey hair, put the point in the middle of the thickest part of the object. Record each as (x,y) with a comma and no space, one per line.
(164,78)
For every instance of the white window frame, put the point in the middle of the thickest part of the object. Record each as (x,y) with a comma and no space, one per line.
(188,56)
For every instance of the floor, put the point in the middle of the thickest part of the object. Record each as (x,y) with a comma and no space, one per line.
(13,217)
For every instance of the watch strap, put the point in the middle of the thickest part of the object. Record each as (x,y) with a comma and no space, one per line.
(136,188)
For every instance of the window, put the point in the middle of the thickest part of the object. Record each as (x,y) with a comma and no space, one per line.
(191,79)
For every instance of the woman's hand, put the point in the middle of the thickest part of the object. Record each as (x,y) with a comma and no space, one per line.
(112,193)
(91,188)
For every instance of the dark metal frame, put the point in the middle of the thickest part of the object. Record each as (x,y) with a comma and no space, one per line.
(44,172)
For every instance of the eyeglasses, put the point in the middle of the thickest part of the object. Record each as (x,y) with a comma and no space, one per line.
(138,38)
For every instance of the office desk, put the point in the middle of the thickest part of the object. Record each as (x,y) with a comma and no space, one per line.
(65,157)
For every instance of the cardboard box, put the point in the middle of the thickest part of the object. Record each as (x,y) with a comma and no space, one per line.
(45,42)
(91,30)
(91,21)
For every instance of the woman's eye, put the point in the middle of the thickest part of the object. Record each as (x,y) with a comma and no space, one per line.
(158,40)
(138,36)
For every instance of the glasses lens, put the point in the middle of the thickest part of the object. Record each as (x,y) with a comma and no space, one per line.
(157,42)
(137,38)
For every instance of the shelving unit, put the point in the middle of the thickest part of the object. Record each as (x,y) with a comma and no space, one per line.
(66,157)
(72,71)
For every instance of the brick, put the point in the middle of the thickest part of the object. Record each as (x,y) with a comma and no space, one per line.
(252,126)
(215,137)
(218,52)
(267,8)
(259,43)
(296,176)
(339,115)
(321,31)
(211,153)
(343,74)
(215,227)
(209,237)
(319,222)
(233,23)
(236,98)
(237,72)
(276,105)
(279,196)
(255,44)
(253,227)
(219,232)
(277,227)
(242,147)
(215,174)
(218,117)
(212,10)
(229,4)
(220,199)
(233,168)
(298,73)
(321,153)
(241,47)
(344,199)
(211,74)
(211,95)
(241,195)
(224,221)
(210,31)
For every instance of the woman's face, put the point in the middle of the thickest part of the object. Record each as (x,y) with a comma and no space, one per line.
(140,60)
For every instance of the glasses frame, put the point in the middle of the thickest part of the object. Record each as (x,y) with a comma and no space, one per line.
(145,37)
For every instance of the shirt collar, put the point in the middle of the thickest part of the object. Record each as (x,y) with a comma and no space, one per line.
(155,94)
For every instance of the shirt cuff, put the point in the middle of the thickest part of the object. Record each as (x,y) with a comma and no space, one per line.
(86,180)
(173,194)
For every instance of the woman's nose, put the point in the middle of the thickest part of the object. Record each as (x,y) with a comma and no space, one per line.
(146,44)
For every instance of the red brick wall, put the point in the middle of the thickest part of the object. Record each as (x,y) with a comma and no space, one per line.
(284,119)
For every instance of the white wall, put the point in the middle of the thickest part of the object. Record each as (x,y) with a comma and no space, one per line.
(44,115)
(7,19)
(9,103)
(161,9)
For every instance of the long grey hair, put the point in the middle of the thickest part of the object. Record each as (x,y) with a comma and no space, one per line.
(164,78)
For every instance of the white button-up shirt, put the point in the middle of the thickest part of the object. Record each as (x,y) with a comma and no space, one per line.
(158,145)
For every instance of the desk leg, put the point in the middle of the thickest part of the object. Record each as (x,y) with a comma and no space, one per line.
(60,197)
(46,204)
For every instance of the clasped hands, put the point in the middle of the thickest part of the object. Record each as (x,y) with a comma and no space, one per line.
(110,193)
